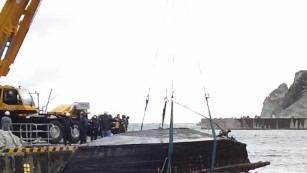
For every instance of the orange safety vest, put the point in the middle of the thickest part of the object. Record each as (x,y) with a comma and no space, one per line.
(116,125)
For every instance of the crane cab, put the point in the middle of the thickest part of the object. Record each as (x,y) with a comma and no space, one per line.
(17,100)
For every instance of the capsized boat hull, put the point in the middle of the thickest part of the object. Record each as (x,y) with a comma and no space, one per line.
(147,151)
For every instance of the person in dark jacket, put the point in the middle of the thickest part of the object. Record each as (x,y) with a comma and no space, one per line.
(67,128)
(94,127)
(83,128)
(125,123)
(106,123)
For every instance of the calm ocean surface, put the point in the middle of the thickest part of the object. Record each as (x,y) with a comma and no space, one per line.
(285,149)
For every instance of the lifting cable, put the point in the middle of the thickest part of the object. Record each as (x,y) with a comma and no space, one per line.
(171,124)
(147,100)
(212,128)
(214,136)
(164,108)
(171,136)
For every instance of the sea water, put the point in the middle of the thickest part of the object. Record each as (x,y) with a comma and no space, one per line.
(286,150)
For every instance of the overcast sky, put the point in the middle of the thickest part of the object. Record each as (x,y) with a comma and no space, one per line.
(109,53)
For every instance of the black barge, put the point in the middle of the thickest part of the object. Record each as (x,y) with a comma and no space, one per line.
(147,152)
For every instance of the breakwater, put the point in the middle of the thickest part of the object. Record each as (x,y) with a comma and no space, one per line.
(257,123)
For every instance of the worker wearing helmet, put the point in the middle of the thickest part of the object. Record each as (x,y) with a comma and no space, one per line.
(94,124)
(6,121)
(67,127)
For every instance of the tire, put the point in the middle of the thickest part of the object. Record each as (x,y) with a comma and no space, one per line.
(55,132)
(25,132)
(75,133)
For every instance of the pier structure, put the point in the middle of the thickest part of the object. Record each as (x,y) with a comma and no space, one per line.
(36,159)
(257,123)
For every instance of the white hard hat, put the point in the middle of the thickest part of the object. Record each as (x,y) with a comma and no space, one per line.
(67,114)
(7,113)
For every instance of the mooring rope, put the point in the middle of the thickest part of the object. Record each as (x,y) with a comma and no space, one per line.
(163,165)
(197,113)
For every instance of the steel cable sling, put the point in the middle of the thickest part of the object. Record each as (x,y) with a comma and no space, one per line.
(164,109)
(214,137)
(198,114)
(147,100)
(171,137)
(212,127)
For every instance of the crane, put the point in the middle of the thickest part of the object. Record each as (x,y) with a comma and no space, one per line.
(15,20)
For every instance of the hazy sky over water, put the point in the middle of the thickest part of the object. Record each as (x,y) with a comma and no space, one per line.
(110,53)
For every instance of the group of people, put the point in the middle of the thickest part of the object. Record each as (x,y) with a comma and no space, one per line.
(102,125)
(105,125)
(68,126)
(99,125)
(120,124)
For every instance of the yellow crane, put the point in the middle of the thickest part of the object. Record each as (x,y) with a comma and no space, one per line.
(15,20)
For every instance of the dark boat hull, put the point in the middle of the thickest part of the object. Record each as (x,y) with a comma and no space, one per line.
(190,153)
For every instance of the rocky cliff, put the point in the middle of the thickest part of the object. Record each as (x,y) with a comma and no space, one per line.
(284,102)
(272,104)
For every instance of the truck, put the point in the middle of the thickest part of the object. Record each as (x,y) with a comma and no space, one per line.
(74,110)
(15,20)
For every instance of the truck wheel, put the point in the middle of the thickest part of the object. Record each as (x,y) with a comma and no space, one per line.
(55,132)
(75,133)
(25,132)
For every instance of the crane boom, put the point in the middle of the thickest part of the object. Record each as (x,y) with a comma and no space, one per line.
(15,20)
(16,17)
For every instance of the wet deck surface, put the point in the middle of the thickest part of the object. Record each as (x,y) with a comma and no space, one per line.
(151,137)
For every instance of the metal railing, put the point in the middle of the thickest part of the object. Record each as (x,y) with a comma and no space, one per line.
(32,133)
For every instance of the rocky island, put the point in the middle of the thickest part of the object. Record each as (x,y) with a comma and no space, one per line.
(284,108)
